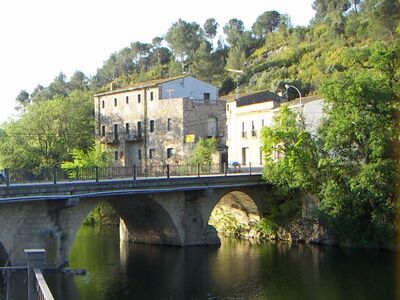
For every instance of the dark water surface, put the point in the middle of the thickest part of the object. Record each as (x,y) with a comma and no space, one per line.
(236,270)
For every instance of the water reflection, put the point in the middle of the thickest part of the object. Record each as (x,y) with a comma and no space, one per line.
(236,270)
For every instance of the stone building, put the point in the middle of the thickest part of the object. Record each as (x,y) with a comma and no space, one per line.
(159,121)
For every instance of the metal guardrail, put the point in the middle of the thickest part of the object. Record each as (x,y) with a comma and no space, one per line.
(37,285)
(42,289)
(16,176)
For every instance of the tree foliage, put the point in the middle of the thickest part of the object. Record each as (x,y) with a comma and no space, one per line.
(96,156)
(359,134)
(266,23)
(203,151)
(47,131)
(291,154)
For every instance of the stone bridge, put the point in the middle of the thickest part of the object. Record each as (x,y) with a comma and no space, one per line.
(173,211)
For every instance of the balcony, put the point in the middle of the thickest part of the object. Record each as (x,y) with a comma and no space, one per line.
(133,136)
(109,138)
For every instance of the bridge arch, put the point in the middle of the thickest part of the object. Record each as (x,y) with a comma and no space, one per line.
(145,220)
(232,210)
(142,219)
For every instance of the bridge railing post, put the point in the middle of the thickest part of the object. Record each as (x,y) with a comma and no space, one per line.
(249,168)
(97,173)
(36,259)
(168,171)
(7,172)
(134,172)
(55,175)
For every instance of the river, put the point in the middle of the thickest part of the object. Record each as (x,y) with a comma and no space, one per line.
(235,270)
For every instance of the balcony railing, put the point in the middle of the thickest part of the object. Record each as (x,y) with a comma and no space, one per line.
(133,136)
(244,134)
(253,133)
(112,138)
(109,138)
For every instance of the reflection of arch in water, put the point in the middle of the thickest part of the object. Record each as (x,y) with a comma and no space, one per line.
(235,210)
(143,220)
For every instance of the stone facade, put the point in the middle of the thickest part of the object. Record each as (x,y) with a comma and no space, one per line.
(150,123)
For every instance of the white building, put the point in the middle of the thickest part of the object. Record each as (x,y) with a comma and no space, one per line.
(246,115)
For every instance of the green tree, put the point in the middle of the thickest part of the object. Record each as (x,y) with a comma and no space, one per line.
(47,131)
(203,151)
(184,38)
(233,31)
(78,81)
(383,16)
(210,28)
(23,99)
(96,156)
(206,65)
(291,154)
(359,134)
(267,22)
(236,58)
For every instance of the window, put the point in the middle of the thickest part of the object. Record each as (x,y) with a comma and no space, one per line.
(151,125)
(115,101)
(139,154)
(127,128)
(244,152)
(206,96)
(103,130)
(103,104)
(127,99)
(151,96)
(169,124)
(262,122)
(244,133)
(121,154)
(253,131)
(138,98)
(152,153)
(139,128)
(116,155)
(115,132)
(170,152)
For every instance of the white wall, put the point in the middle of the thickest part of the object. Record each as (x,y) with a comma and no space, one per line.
(188,87)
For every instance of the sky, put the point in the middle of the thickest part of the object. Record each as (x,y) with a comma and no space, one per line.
(41,38)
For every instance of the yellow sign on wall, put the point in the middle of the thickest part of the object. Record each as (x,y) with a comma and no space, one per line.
(189,138)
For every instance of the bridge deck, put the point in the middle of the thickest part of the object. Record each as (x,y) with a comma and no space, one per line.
(86,189)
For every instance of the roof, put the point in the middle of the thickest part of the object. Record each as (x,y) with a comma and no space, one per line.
(303,100)
(141,85)
(252,98)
